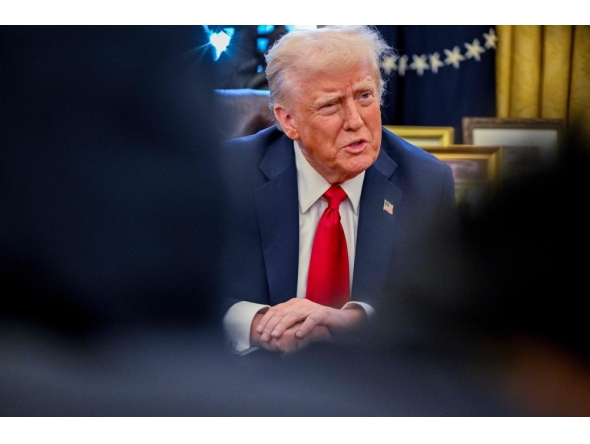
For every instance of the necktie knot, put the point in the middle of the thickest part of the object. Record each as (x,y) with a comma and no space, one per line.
(335,195)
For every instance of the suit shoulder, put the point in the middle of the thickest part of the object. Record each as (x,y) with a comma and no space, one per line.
(261,139)
(243,155)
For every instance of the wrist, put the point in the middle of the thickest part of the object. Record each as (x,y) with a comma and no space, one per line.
(254,335)
(347,319)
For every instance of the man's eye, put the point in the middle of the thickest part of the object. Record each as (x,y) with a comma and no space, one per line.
(328,108)
(366,95)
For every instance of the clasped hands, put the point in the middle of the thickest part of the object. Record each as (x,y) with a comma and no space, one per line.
(293,325)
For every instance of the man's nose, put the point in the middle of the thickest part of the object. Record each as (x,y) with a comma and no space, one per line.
(351,116)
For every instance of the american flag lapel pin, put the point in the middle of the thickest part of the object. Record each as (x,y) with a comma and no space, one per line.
(387,207)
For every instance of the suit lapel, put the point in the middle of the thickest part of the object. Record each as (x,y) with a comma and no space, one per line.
(376,228)
(277,209)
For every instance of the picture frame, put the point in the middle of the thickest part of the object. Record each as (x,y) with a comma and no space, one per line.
(425,136)
(477,171)
(528,144)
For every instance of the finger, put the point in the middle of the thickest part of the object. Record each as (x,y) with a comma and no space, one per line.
(272,317)
(279,323)
(298,310)
(270,346)
(284,316)
(265,333)
(267,316)
(308,325)
(289,320)
(268,322)
(289,344)
(270,313)
(270,326)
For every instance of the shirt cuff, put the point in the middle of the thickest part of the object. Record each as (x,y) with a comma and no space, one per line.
(236,324)
(370,311)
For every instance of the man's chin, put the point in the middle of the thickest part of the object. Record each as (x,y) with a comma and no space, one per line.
(353,171)
(360,162)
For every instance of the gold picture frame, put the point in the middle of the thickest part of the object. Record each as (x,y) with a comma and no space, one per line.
(425,136)
(477,171)
(528,144)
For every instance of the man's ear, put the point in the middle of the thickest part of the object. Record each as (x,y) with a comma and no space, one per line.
(286,121)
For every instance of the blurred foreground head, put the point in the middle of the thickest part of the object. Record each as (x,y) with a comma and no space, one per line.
(108,210)
(510,288)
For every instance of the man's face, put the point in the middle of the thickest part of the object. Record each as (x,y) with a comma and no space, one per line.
(336,120)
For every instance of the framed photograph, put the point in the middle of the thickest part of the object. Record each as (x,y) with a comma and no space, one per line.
(477,171)
(425,136)
(528,144)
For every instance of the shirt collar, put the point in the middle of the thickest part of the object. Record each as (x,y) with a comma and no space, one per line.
(311,185)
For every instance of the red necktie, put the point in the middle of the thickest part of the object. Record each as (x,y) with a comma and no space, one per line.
(328,280)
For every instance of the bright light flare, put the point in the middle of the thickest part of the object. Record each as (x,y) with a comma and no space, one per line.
(220,40)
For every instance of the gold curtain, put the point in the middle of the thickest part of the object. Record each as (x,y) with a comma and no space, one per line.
(543,72)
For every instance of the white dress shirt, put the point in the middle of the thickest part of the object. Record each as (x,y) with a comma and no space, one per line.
(310,186)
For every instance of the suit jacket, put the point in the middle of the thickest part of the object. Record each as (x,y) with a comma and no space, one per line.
(262,242)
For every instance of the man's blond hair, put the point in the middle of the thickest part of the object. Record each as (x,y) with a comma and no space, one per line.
(333,48)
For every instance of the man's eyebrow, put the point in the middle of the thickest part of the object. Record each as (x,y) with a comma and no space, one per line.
(328,98)
(364,85)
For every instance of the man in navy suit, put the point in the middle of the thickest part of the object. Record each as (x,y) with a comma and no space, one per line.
(326,91)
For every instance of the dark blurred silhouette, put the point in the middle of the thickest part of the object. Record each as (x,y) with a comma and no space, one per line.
(108,211)
(505,294)
(107,188)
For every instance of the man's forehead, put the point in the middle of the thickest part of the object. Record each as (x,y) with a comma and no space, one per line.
(343,72)
(328,91)
(322,82)
(314,86)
